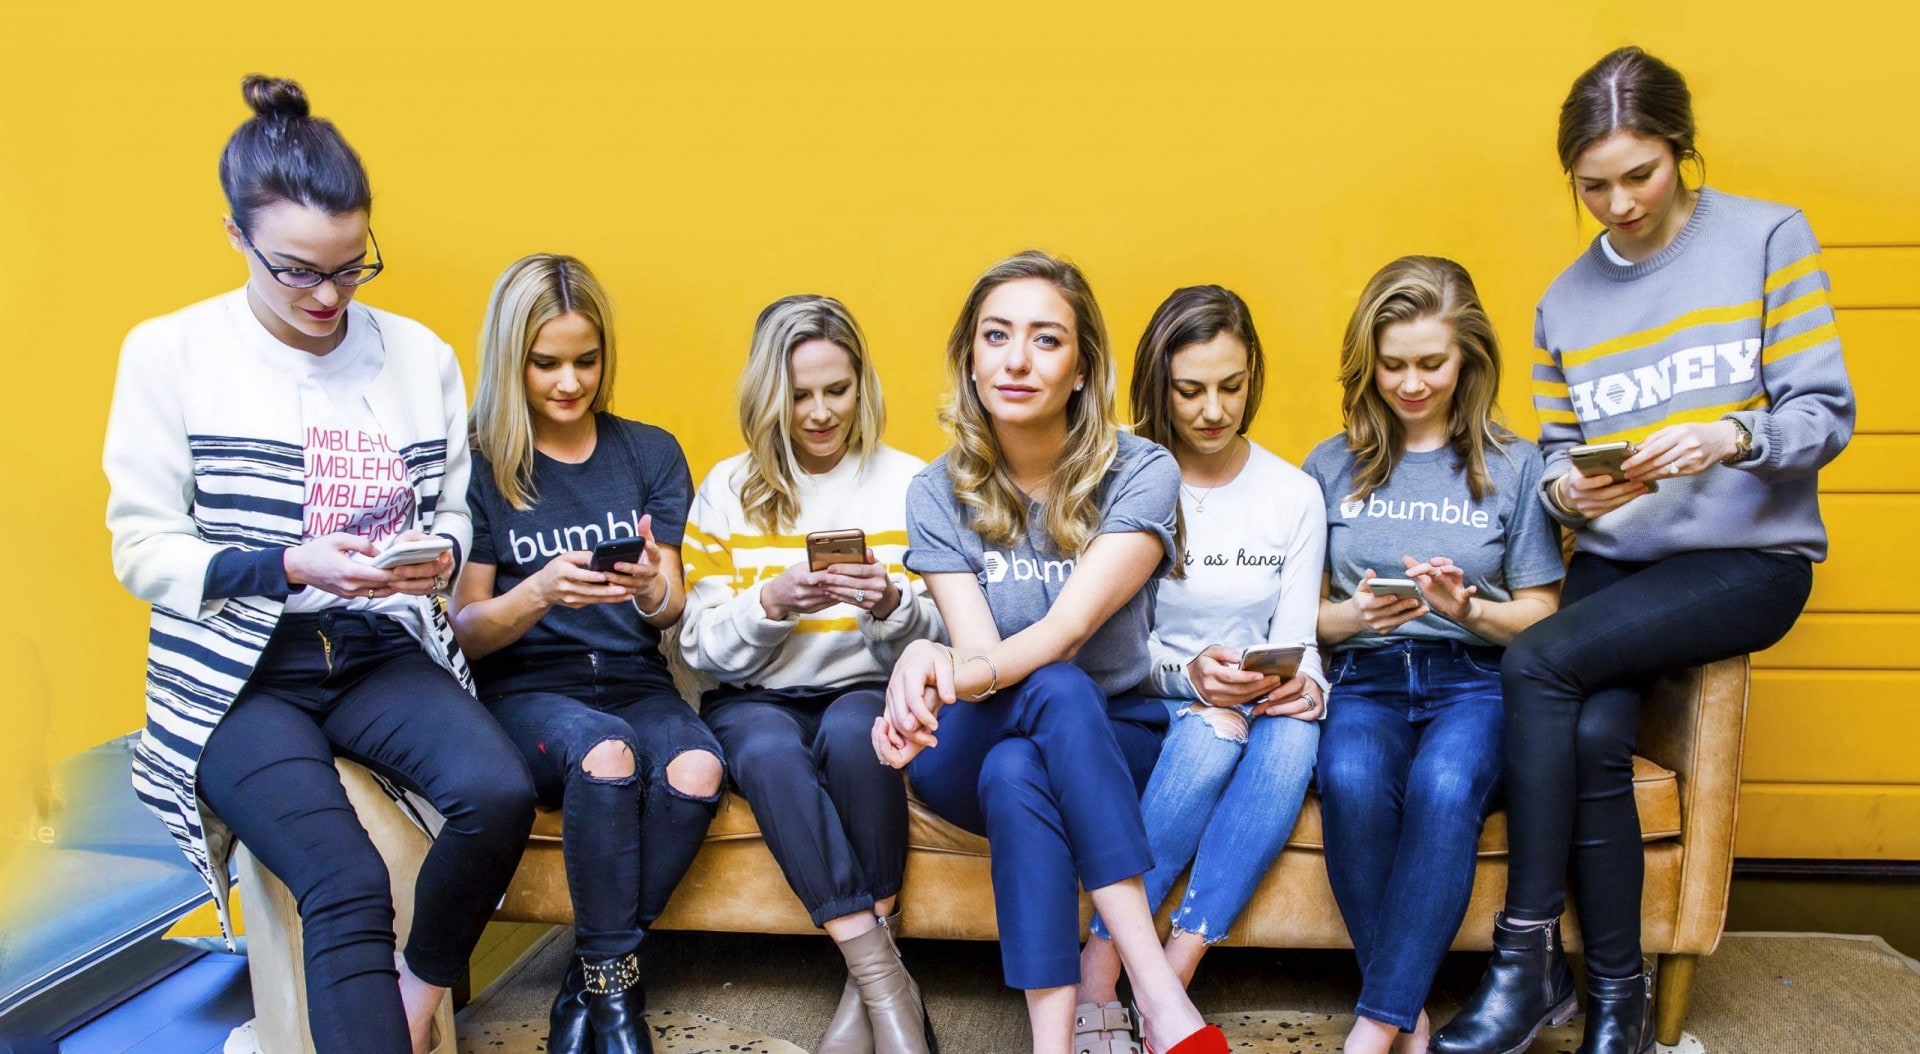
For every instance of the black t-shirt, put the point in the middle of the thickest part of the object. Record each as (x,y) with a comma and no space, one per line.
(635,470)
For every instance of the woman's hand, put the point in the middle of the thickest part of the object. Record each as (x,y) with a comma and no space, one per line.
(921,683)
(1217,676)
(326,563)
(1383,614)
(426,577)
(865,586)
(566,582)
(1682,450)
(796,591)
(1298,698)
(1444,585)
(1593,496)
(642,580)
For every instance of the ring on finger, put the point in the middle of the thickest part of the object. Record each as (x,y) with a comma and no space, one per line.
(1673,469)
(859,596)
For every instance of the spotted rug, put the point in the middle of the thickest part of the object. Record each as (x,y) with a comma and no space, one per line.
(1292,1032)
(674,1032)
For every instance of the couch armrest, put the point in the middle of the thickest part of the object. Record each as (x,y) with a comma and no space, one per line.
(1695,723)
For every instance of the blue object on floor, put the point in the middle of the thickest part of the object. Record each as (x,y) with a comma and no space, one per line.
(189,1011)
(111,876)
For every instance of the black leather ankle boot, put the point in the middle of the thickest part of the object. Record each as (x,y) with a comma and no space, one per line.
(567,1028)
(1619,1015)
(616,1006)
(1528,986)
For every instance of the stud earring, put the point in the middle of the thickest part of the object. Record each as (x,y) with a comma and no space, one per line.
(1077,385)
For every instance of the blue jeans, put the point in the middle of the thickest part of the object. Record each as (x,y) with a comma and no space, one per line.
(1050,771)
(1410,761)
(1225,799)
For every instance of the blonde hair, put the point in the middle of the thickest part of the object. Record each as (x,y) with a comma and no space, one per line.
(974,462)
(531,292)
(769,493)
(1408,289)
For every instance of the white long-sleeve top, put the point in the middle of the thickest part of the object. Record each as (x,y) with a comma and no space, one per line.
(1255,551)
(726,633)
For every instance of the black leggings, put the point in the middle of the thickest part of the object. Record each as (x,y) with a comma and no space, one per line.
(1574,683)
(358,686)
(833,816)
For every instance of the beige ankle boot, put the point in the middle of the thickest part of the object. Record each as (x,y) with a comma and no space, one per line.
(895,1011)
(850,1032)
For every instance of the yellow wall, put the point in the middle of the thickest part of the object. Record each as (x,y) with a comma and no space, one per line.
(706,158)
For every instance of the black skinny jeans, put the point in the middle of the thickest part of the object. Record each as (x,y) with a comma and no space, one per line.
(357,686)
(834,817)
(628,839)
(1574,684)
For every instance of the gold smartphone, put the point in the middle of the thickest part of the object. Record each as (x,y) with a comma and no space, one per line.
(826,548)
(1278,660)
(1604,459)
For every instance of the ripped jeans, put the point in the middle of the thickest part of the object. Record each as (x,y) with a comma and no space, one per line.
(1224,796)
(629,839)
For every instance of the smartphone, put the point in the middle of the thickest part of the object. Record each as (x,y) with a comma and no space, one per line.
(412,551)
(826,548)
(623,550)
(1403,588)
(1280,660)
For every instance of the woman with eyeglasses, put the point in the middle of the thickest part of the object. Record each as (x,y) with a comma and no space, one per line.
(288,474)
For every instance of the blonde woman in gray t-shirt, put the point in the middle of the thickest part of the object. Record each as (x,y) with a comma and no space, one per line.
(1422,485)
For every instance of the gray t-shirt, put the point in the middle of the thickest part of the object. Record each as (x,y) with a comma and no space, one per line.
(1425,509)
(1141,492)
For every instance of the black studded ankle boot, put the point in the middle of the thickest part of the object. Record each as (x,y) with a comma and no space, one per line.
(1619,1015)
(567,1028)
(1528,986)
(616,1006)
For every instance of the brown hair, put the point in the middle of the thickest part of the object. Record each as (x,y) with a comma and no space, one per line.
(1627,90)
(1411,288)
(1193,315)
(974,462)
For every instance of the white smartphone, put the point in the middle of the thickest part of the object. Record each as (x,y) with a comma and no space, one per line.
(412,551)
(1404,588)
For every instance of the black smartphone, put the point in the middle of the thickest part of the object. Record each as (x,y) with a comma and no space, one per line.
(624,550)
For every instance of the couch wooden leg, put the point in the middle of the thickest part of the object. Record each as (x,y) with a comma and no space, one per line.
(1673,985)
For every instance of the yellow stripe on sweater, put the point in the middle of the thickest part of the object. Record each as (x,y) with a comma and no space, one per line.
(1793,272)
(1700,415)
(1796,307)
(1812,338)
(825,625)
(1706,316)
(799,541)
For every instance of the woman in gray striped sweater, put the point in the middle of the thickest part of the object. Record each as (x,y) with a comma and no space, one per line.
(1696,330)
(263,449)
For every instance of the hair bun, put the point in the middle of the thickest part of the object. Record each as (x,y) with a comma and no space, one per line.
(274,96)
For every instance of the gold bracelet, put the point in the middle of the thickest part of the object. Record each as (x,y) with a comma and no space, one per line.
(1553,498)
(993,680)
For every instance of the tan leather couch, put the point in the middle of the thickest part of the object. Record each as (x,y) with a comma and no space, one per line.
(1686,786)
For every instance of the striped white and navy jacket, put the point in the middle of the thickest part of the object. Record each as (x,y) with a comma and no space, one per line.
(204,452)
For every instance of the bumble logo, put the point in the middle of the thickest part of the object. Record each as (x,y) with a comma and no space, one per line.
(1350,509)
(996,566)
(1024,568)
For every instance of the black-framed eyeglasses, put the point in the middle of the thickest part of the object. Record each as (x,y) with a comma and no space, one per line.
(308,278)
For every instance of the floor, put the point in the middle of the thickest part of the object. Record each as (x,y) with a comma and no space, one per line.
(189,1011)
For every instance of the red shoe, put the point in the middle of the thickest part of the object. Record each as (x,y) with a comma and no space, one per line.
(1209,1040)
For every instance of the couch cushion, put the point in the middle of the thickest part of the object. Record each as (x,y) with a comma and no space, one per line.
(1656,794)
